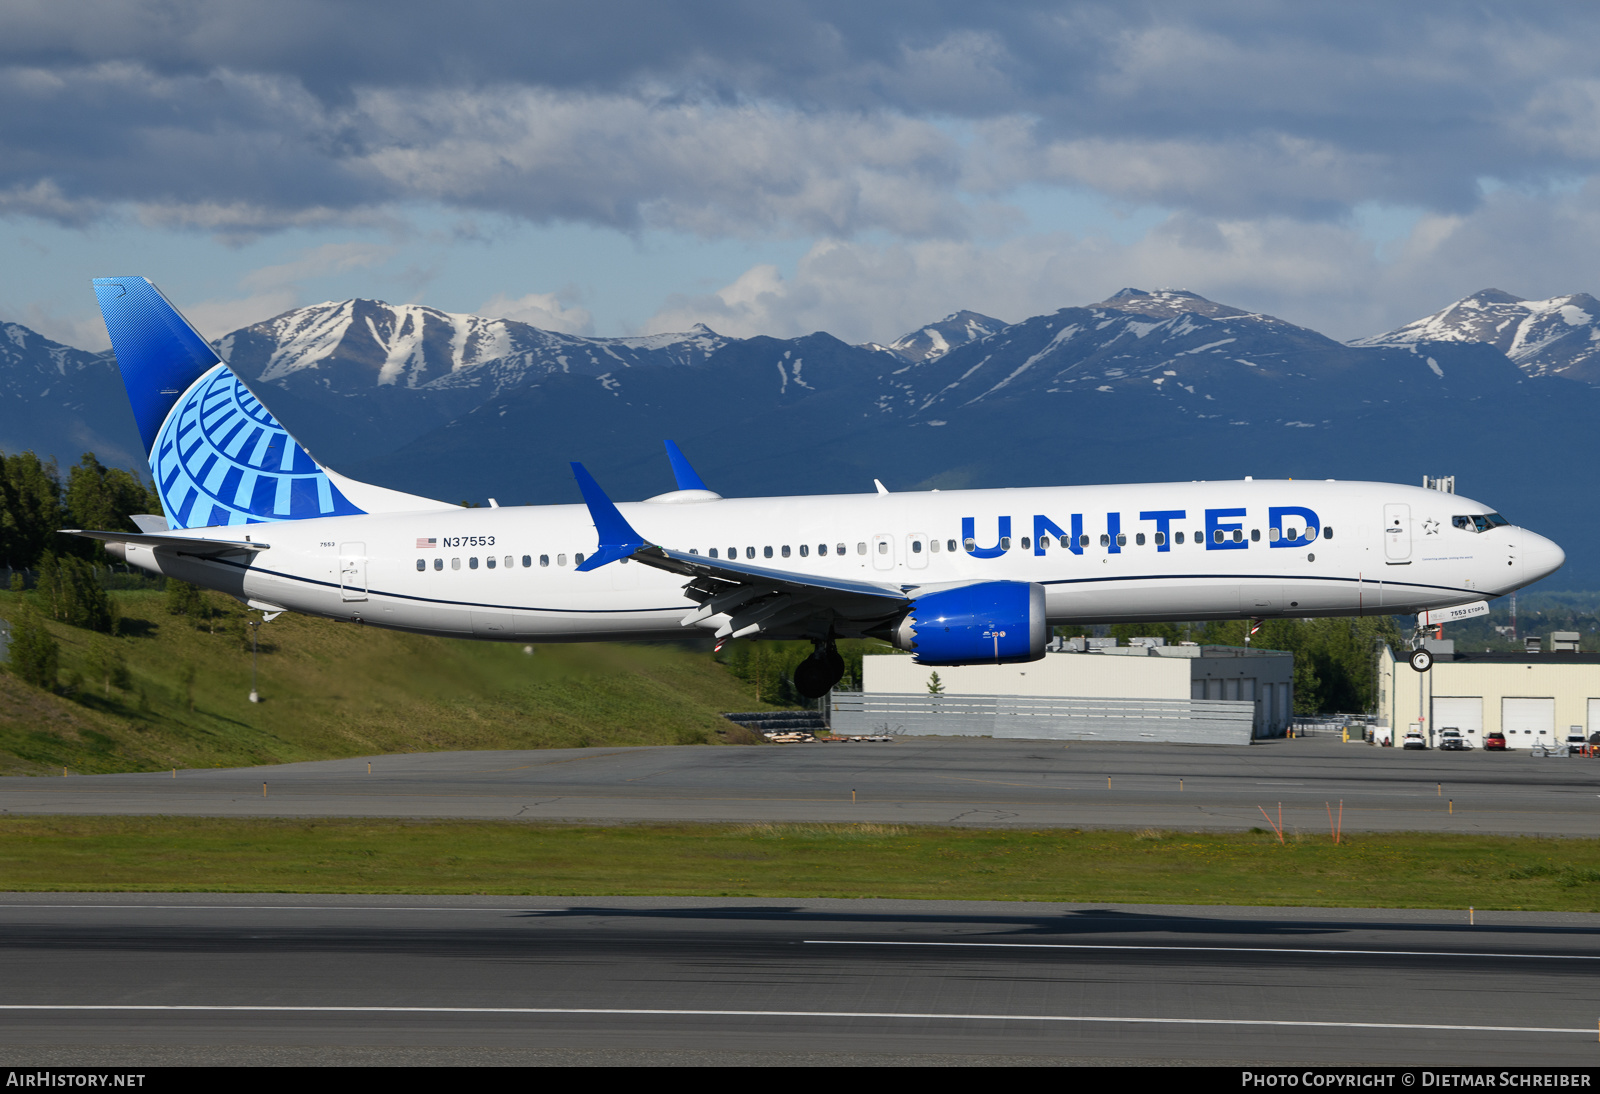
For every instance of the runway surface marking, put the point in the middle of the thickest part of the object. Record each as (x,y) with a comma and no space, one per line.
(643,1011)
(1207,949)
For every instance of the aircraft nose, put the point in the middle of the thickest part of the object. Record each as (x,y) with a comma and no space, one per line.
(1540,557)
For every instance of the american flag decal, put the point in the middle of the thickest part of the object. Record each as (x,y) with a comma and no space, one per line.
(431,542)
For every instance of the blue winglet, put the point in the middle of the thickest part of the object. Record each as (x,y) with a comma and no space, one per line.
(617,537)
(682,471)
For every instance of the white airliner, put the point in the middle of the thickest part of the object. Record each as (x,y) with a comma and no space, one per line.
(955,577)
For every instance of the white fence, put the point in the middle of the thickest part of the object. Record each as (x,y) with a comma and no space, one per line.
(1184,721)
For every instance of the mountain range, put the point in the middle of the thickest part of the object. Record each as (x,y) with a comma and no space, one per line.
(1142,386)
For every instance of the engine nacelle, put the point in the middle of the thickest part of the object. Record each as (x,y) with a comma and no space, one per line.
(988,623)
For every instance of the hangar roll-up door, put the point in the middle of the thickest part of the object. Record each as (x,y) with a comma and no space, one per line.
(1594,716)
(1525,721)
(1464,714)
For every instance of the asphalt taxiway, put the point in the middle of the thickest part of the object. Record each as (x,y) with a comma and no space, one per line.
(149,979)
(916,780)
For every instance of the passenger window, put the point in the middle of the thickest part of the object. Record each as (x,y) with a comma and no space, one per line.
(733,553)
(1044,543)
(1292,533)
(861,548)
(561,560)
(805,550)
(750,552)
(822,548)
(883,547)
(1122,540)
(1255,535)
(1138,540)
(1177,537)
(1238,535)
(1199,536)
(933,546)
(694,550)
(785,550)
(838,548)
(951,544)
(544,560)
(577,559)
(1005,543)
(766,552)
(1083,540)
(916,546)
(1105,540)
(510,562)
(1327,533)
(1161,538)
(527,560)
(712,552)
(472,563)
(490,561)
(970,544)
(1311,532)
(1023,543)
(1273,535)
(421,565)
(1216,536)
(455,564)
(438,564)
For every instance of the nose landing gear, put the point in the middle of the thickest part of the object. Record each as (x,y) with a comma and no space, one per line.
(1421,660)
(816,675)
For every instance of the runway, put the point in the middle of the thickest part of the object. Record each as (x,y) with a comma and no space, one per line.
(917,780)
(151,979)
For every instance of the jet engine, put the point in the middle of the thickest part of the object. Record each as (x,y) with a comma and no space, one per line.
(988,623)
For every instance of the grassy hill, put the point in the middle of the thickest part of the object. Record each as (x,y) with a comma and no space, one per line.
(333,689)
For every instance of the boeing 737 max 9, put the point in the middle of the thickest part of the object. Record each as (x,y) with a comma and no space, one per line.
(955,577)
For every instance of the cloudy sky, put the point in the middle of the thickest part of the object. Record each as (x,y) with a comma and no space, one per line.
(627,167)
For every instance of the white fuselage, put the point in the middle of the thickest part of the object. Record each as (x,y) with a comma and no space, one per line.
(509,573)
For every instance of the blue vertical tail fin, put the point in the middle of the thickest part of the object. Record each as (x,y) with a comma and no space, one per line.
(217,455)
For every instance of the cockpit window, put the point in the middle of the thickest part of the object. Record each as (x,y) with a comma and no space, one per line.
(1479,522)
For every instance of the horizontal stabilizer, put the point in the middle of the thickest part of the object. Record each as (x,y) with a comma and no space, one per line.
(188,545)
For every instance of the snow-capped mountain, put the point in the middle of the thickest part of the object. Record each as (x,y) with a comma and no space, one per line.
(365,376)
(57,400)
(1173,344)
(938,339)
(1555,337)
(349,345)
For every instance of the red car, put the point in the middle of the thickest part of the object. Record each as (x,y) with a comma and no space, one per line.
(1494,742)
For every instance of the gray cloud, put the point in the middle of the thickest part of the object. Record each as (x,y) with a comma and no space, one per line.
(749,117)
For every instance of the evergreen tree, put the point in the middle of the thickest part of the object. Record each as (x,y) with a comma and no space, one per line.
(35,656)
(30,508)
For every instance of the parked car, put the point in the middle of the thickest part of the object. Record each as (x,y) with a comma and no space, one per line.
(1451,740)
(1494,742)
(1576,743)
(1413,740)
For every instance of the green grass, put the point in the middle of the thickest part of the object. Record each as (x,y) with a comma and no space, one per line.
(334,689)
(164,854)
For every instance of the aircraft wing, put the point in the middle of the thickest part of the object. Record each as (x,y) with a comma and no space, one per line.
(754,598)
(188,545)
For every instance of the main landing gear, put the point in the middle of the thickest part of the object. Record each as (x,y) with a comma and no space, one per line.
(816,675)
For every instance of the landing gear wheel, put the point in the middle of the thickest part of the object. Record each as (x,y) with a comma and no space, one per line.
(1421,660)
(816,675)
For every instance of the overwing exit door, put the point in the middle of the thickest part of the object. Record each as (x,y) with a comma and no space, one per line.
(1397,533)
